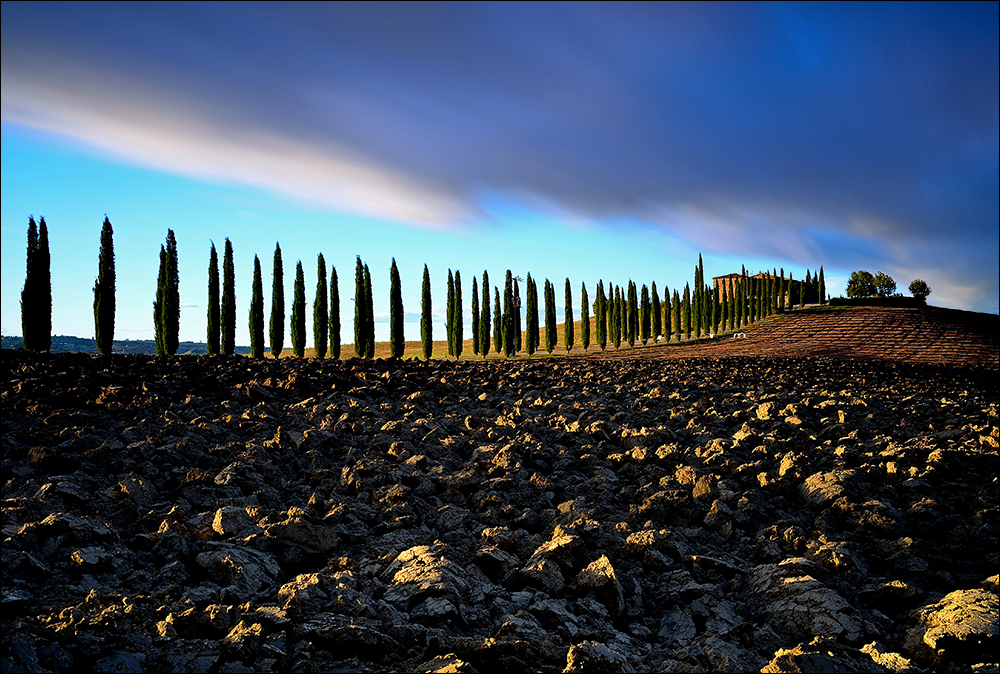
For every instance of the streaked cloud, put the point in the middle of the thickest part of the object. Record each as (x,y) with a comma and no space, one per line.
(861,134)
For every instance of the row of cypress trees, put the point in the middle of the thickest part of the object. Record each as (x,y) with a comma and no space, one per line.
(627,314)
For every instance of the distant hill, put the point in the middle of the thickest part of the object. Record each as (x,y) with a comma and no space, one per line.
(66,343)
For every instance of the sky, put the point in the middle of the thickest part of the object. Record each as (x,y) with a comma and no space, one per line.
(569,140)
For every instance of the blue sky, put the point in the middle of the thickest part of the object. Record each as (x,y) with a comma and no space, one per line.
(589,141)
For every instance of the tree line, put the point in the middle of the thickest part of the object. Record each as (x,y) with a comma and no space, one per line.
(630,314)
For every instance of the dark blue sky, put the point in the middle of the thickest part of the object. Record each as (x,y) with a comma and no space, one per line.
(851,135)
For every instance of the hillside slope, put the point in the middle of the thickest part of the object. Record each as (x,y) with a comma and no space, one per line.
(924,335)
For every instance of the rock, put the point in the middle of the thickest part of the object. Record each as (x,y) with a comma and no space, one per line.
(798,606)
(821,489)
(233,522)
(299,531)
(423,572)
(822,654)
(962,627)
(591,657)
(599,579)
(244,571)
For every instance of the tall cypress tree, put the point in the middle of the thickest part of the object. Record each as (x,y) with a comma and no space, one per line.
(531,315)
(475,316)
(299,312)
(484,322)
(321,310)
(601,316)
(822,286)
(276,327)
(517,317)
(667,322)
(360,310)
(806,288)
(645,319)
(44,299)
(334,314)
(568,329)
(449,312)
(228,308)
(508,315)
(655,313)
(550,317)
(584,317)
(159,304)
(173,299)
(497,322)
(688,327)
(369,316)
(104,292)
(213,328)
(620,315)
(257,312)
(396,341)
(30,293)
(426,329)
(678,327)
(458,316)
(632,314)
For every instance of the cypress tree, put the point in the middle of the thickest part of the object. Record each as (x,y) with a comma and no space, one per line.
(792,299)
(276,330)
(517,317)
(531,315)
(655,311)
(475,315)
(497,321)
(620,315)
(645,320)
(508,315)
(623,314)
(426,329)
(321,310)
(36,296)
(360,310)
(159,327)
(806,287)
(334,315)
(601,316)
(614,324)
(299,312)
(724,317)
(29,293)
(45,263)
(173,298)
(449,312)
(257,313)
(632,314)
(687,312)
(667,314)
(484,322)
(228,308)
(584,317)
(550,317)
(104,292)
(568,331)
(678,328)
(213,303)
(459,318)
(781,291)
(396,341)
(369,316)
(822,286)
